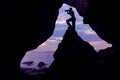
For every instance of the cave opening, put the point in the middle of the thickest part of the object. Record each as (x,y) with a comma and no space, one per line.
(44,52)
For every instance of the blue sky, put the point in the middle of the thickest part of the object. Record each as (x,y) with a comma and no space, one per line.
(45,51)
(84,31)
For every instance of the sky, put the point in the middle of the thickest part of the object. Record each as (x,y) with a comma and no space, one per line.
(45,51)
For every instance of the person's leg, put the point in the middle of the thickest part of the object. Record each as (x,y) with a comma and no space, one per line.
(73,23)
(68,22)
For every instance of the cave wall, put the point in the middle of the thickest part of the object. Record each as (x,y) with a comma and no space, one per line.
(73,59)
(80,5)
(101,16)
(26,24)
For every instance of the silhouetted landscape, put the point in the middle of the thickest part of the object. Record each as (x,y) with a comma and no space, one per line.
(27,24)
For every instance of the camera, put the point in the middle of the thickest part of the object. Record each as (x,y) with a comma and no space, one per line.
(66,10)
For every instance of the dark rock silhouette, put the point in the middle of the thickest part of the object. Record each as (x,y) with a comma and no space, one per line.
(103,20)
(41,64)
(108,64)
(23,26)
(36,70)
(74,59)
(26,24)
(28,63)
(101,16)
(80,5)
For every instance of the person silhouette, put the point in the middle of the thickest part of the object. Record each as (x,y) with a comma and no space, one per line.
(72,18)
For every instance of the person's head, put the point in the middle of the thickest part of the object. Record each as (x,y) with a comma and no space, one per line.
(70,8)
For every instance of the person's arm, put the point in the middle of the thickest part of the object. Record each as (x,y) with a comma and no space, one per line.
(67,11)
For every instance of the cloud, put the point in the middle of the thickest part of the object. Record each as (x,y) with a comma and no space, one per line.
(59,38)
(99,45)
(51,40)
(79,22)
(50,45)
(89,32)
(43,44)
(62,22)
(54,39)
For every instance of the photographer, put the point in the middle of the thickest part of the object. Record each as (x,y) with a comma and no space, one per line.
(72,19)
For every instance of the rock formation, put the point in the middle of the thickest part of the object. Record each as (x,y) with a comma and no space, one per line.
(101,16)
(74,59)
(108,64)
(80,5)
(23,26)
(26,24)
